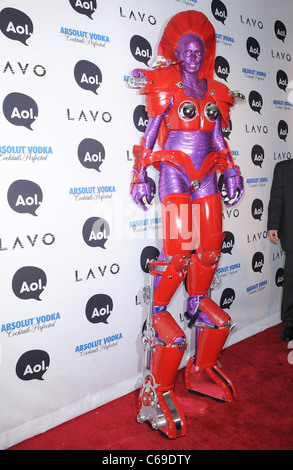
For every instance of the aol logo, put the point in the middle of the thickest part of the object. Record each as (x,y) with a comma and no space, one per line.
(20,109)
(99,308)
(88,75)
(25,197)
(96,232)
(32,365)
(16,25)
(29,282)
(140,118)
(91,153)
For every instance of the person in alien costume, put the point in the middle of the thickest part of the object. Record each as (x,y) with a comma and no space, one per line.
(187,110)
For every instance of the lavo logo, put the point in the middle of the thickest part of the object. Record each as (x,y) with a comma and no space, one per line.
(47,239)
(38,70)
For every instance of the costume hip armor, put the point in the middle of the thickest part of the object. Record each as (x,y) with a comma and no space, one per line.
(213,161)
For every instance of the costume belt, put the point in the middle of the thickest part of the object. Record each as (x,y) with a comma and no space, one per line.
(213,161)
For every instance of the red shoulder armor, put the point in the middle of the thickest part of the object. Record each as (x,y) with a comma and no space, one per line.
(161,85)
(220,93)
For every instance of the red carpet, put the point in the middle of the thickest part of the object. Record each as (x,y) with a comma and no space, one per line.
(260,418)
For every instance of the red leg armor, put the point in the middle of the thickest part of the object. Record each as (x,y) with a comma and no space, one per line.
(204,262)
(157,401)
(202,373)
(158,404)
(182,234)
(211,337)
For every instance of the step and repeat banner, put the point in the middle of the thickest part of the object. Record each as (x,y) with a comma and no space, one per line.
(74,247)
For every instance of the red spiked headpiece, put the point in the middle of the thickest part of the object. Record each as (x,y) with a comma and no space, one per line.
(190,22)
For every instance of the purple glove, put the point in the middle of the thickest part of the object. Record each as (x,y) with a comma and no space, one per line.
(233,186)
(141,189)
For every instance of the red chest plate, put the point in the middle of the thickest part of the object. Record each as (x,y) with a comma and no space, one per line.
(189,114)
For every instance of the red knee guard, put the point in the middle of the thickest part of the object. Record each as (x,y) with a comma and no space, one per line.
(167,328)
(214,312)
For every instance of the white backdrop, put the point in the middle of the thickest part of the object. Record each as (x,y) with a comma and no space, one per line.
(73,246)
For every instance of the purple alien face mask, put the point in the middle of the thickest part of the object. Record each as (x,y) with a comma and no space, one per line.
(190,53)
